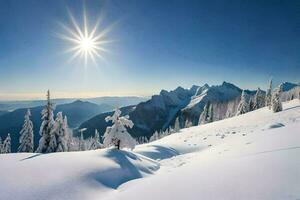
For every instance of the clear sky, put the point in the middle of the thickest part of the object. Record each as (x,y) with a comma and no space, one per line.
(157,45)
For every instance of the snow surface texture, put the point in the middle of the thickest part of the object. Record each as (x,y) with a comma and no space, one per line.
(251,156)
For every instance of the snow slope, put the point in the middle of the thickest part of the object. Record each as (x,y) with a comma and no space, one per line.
(251,156)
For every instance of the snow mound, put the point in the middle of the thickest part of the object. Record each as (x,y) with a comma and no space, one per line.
(71,175)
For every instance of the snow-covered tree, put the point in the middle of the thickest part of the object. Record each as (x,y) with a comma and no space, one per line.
(47,142)
(259,99)
(26,135)
(243,106)
(117,135)
(188,124)
(154,137)
(276,102)
(82,145)
(251,104)
(177,125)
(60,134)
(1,146)
(207,114)
(7,145)
(269,96)
(95,141)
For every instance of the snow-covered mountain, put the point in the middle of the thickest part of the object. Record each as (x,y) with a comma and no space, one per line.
(155,114)
(286,86)
(251,156)
(227,95)
(161,110)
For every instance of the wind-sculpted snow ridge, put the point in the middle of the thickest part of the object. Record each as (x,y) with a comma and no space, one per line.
(250,156)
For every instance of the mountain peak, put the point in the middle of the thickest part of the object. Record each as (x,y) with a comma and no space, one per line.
(286,86)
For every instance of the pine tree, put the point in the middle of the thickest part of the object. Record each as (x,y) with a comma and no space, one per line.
(60,134)
(269,96)
(26,138)
(154,137)
(47,142)
(188,124)
(1,146)
(207,114)
(177,125)
(251,104)
(259,99)
(243,107)
(210,114)
(276,102)
(204,114)
(95,143)
(7,145)
(82,145)
(117,135)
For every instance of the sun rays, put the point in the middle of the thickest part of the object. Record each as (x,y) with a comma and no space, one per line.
(85,43)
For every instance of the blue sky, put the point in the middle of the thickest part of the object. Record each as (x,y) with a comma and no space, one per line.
(157,44)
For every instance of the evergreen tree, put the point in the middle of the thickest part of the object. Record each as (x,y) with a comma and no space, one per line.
(207,114)
(188,124)
(95,143)
(210,114)
(177,125)
(243,107)
(251,104)
(82,145)
(60,134)
(26,138)
(7,145)
(259,99)
(47,142)
(269,96)
(204,114)
(117,135)
(154,137)
(1,146)
(276,102)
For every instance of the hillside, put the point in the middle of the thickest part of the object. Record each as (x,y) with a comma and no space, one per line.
(160,112)
(77,112)
(251,156)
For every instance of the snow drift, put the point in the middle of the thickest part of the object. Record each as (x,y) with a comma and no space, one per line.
(251,156)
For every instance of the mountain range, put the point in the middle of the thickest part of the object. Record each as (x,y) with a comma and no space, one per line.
(157,113)
(160,112)
(77,112)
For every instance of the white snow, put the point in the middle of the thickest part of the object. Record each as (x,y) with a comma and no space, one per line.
(251,156)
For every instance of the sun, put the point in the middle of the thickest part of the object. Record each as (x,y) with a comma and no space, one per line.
(86,43)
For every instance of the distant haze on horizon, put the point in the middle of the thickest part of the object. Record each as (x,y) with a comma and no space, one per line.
(156,45)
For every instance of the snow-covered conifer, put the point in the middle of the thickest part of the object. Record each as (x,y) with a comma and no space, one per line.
(269,96)
(117,135)
(47,142)
(1,146)
(154,137)
(177,125)
(276,102)
(60,134)
(207,114)
(95,143)
(243,106)
(7,145)
(82,145)
(188,124)
(26,135)
(259,99)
